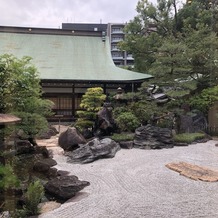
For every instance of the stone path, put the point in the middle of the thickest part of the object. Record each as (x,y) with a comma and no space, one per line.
(137,184)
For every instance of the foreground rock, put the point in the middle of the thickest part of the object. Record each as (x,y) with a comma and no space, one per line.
(65,187)
(93,150)
(70,139)
(153,137)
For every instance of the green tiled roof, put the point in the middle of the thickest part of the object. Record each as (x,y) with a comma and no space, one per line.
(67,57)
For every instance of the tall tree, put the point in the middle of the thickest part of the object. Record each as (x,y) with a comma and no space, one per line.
(20,94)
(145,33)
(181,47)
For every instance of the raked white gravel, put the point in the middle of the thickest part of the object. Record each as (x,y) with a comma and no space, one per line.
(136,184)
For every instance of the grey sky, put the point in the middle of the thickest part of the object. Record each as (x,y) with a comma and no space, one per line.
(52,13)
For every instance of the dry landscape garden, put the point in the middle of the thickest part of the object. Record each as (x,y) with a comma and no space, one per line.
(147,152)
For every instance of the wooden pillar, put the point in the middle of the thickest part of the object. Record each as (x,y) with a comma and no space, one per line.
(104,88)
(73,99)
(133,87)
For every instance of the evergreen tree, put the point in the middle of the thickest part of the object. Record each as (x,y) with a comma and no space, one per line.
(91,103)
(20,94)
(182,47)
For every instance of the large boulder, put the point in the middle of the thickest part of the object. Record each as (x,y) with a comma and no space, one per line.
(104,124)
(193,121)
(70,139)
(93,150)
(153,137)
(65,187)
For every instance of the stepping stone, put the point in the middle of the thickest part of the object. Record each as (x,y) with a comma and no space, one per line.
(194,172)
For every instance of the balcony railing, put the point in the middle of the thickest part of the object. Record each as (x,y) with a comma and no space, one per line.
(117,32)
(117,40)
(117,57)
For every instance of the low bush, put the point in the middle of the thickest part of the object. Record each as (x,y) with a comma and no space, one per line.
(34,194)
(8,179)
(188,137)
(122,137)
(127,122)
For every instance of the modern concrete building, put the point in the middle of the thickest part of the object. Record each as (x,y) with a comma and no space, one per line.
(85,26)
(69,62)
(116,34)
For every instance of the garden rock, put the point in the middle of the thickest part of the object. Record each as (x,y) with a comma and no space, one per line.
(104,124)
(93,150)
(42,150)
(70,139)
(126,144)
(65,187)
(153,137)
(24,147)
(44,165)
(52,131)
(191,122)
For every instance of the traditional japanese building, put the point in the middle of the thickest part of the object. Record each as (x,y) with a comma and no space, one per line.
(69,62)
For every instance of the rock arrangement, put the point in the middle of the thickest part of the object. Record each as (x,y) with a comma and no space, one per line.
(193,121)
(58,184)
(152,137)
(93,150)
(70,139)
(65,187)
(104,124)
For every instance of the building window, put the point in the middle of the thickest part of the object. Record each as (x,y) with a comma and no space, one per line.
(65,103)
(114,47)
(117,29)
(55,101)
(117,38)
(78,100)
(62,105)
(117,54)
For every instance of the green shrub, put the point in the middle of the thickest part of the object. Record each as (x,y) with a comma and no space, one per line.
(127,122)
(83,124)
(8,179)
(205,99)
(32,124)
(34,194)
(188,137)
(19,213)
(122,137)
(87,115)
(144,110)
(91,103)
(119,110)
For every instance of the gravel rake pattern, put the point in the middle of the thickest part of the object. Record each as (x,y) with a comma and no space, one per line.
(137,184)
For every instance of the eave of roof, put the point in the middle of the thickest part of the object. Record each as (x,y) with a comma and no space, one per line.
(67,57)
